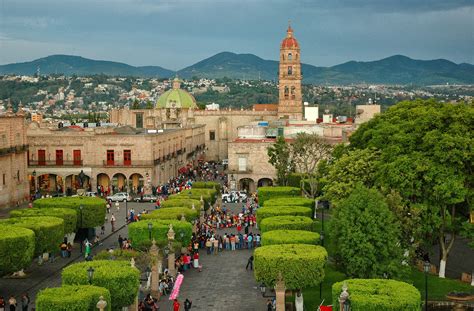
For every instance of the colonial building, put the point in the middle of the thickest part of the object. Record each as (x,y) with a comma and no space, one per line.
(13,158)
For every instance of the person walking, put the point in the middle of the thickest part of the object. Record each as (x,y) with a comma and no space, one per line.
(112,222)
(12,303)
(187,304)
(2,303)
(176,305)
(249,263)
(25,302)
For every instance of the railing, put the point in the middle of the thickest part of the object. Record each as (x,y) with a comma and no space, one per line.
(128,163)
(55,163)
(13,149)
(238,170)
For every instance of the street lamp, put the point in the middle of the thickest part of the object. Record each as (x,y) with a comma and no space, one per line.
(90,274)
(426,269)
(148,272)
(82,238)
(34,179)
(321,237)
(150,225)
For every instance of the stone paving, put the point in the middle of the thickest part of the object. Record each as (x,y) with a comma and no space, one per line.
(223,284)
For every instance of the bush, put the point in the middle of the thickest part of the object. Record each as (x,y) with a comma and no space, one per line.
(68,215)
(138,232)
(300,265)
(378,294)
(271,211)
(181,202)
(49,231)
(93,213)
(290,237)
(286,222)
(172,213)
(118,277)
(207,184)
(196,195)
(117,254)
(72,298)
(290,201)
(17,246)
(267,193)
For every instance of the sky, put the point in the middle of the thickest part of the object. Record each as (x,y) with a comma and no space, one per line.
(177,33)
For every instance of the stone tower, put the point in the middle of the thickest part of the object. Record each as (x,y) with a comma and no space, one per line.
(290,102)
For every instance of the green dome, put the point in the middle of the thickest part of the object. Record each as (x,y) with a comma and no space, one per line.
(176,98)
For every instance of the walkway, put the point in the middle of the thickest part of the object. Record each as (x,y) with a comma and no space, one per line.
(223,284)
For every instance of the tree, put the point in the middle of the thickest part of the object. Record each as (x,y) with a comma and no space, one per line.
(307,151)
(279,154)
(136,104)
(149,105)
(426,156)
(366,235)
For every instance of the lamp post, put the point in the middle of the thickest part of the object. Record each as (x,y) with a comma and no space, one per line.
(426,269)
(82,238)
(150,226)
(34,179)
(126,209)
(321,237)
(90,275)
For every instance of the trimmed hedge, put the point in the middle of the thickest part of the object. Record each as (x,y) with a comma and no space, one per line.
(207,184)
(290,237)
(17,247)
(271,211)
(286,222)
(68,215)
(138,232)
(196,195)
(181,202)
(267,193)
(378,294)
(290,201)
(72,298)
(117,254)
(118,277)
(93,213)
(172,213)
(49,231)
(300,265)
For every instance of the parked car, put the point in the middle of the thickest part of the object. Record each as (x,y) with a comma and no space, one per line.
(234,196)
(146,198)
(91,194)
(119,197)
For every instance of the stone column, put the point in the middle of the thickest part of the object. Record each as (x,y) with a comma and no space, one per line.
(280,295)
(154,269)
(171,256)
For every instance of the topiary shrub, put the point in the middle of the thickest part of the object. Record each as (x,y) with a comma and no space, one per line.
(139,234)
(286,222)
(72,298)
(172,213)
(207,184)
(17,246)
(180,201)
(290,201)
(271,211)
(267,193)
(299,265)
(290,237)
(378,294)
(118,277)
(117,254)
(93,212)
(68,215)
(195,194)
(49,231)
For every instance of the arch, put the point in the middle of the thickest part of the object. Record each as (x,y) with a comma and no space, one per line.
(290,70)
(103,182)
(119,183)
(73,182)
(247,184)
(49,183)
(135,181)
(264,182)
(286,92)
(290,56)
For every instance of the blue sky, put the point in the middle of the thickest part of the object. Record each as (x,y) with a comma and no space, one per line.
(178,33)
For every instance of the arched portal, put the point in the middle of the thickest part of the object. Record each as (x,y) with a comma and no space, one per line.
(265,182)
(77,181)
(119,183)
(247,184)
(103,184)
(49,183)
(135,183)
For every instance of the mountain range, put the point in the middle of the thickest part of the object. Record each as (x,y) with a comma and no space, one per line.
(397,69)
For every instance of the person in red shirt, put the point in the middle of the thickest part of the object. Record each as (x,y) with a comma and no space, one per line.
(176,305)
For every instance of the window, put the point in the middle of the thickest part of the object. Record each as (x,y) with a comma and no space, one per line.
(293,95)
(139,120)
(76,156)
(110,157)
(290,70)
(242,164)
(127,157)
(18,175)
(290,56)
(59,157)
(41,157)
(4,179)
(286,92)
(212,135)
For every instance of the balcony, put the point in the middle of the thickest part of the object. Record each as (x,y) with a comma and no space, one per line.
(13,149)
(240,170)
(108,163)
(42,163)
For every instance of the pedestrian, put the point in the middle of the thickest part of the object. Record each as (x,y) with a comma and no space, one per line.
(63,248)
(69,249)
(102,229)
(88,248)
(187,304)
(12,303)
(196,260)
(176,305)
(249,263)
(2,303)
(112,222)
(269,305)
(25,301)
(108,207)
(120,241)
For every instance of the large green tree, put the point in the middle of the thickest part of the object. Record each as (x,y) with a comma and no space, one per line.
(424,154)
(366,235)
(280,157)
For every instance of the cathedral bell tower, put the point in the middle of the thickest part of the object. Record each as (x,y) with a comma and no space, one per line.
(290,101)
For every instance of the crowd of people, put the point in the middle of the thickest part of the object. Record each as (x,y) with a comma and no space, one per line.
(13,305)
